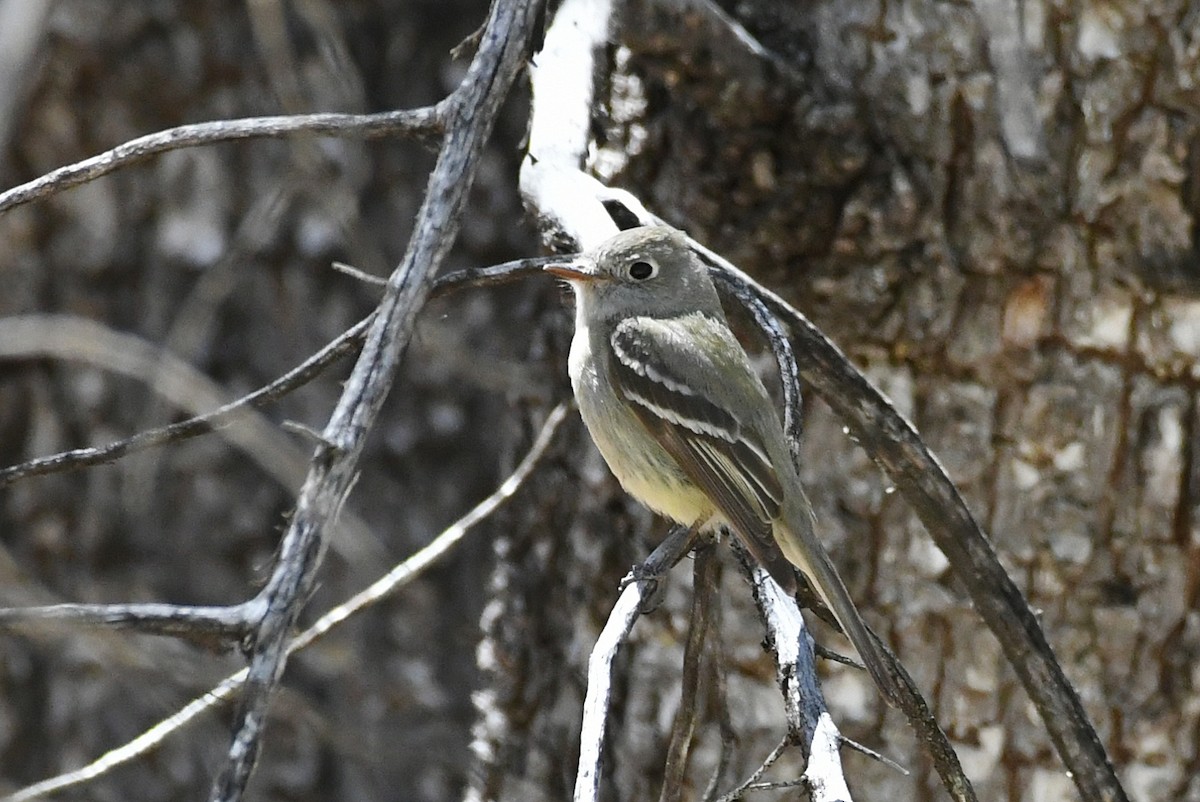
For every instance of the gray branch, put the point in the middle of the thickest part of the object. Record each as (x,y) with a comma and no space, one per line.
(196,425)
(207,625)
(414,123)
(795,670)
(469,117)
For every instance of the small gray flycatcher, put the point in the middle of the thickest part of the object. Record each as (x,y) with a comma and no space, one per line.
(682,419)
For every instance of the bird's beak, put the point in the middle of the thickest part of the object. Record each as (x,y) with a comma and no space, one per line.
(576,270)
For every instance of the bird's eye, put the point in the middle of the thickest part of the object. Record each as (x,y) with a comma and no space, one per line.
(642,270)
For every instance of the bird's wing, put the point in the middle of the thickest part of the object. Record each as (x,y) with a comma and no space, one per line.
(666,385)
(669,389)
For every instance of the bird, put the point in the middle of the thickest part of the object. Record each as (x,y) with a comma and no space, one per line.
(684,422)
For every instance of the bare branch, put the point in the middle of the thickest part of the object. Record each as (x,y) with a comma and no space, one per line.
(599,692)
(361,275)
(29,336)
(192,427)
(491,276)
(469,117)
(704,575)
(415,123)
(796,672)
(720,704)
(850,743)
(386,585)
(208,625)
(752,781)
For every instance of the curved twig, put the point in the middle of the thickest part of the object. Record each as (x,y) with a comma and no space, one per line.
(785,362)
(306,371)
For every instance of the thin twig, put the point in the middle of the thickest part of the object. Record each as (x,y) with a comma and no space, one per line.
(825,653)
(750,781)
(361,275)
(719,704)
(306,371)
(862,749)
(704,569)
(775,785)
(491,276)
(303,373)
(386,585)
(785,361)
(421,122)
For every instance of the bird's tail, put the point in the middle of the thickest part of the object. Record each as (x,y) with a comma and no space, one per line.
(799,544)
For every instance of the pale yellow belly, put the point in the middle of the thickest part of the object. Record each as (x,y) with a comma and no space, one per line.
(644,468)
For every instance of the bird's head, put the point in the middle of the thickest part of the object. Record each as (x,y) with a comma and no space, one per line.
(642,271)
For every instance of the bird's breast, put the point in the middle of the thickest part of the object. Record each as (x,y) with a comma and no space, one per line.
(641,465)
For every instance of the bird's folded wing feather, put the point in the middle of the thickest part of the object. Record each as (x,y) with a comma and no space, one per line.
(663,369)
(669,389)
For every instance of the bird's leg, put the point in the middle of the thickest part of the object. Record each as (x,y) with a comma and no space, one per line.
(677,543)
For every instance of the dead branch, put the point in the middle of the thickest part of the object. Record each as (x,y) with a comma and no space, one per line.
(197,425)
(700,627)
(599,692)
(413,123)
(401,575)
(469,117)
